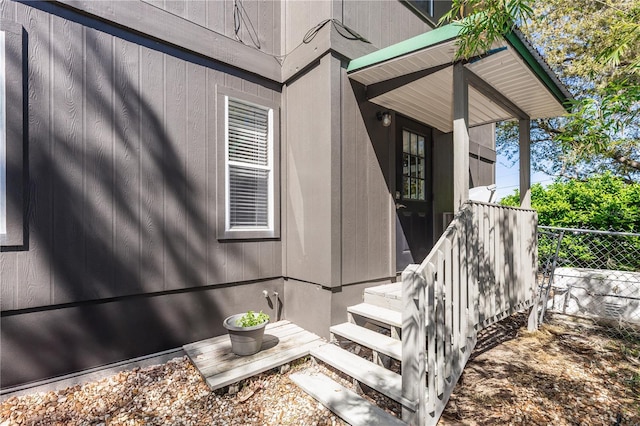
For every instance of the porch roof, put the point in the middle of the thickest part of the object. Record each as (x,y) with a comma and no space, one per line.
(415,77)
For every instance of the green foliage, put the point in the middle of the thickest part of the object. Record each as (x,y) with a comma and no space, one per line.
(594,47)
(251,318)
(481,30)
(604,203)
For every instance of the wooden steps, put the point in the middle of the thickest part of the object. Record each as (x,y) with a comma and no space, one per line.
(387,296)
(365,312)
(375,341)
(283,342)
(351,407)
(379,378)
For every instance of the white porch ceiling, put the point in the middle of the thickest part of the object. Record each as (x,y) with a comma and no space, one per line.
(430,99)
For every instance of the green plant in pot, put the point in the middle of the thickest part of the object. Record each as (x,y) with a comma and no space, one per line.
(246,331)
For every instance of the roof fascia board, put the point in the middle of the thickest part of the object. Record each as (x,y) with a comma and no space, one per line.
(327,40)
(492,94)
(411,45)
(306,54)
(149,20)
(451,31)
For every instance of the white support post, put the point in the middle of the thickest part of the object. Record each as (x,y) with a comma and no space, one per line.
(524,129)
(414,342)
(460,136)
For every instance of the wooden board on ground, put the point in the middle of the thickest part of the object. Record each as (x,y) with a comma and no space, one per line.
(351,407)
(283,342)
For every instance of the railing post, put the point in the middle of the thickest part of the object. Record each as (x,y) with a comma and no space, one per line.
(413,345)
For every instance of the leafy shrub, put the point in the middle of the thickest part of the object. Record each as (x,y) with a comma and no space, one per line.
(251,318)
(604,203)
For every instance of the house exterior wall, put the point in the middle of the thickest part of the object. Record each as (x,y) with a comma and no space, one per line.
(218,16)
(482,152)
(339,212)
(311,184)
(122,257)
(122,201)
(368,185)
(383,23)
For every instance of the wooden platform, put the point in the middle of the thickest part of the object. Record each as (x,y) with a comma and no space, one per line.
(283,342)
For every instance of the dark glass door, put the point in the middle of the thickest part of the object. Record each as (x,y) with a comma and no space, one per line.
(414,230)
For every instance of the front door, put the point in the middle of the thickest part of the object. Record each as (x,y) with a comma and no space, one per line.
(414,230)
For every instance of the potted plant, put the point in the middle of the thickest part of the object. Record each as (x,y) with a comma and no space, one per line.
(246,331)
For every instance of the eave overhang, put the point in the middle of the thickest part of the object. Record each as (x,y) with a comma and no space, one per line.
(415,78)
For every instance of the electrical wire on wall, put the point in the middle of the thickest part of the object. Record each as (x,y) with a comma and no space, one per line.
(341,29)
(241,17)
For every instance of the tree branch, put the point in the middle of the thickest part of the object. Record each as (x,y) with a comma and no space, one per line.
(629,162)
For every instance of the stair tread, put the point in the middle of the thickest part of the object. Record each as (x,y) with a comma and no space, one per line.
(391,290)
(351,407)
(369,338)
(383,315)
(379,378)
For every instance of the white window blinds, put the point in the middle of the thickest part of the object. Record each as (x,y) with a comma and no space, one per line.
(249,165)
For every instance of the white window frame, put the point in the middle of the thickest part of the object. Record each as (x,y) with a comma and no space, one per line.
(13,117)
(3,139)
(268,168)
(223,197)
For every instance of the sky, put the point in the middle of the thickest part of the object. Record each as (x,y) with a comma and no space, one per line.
(508,177)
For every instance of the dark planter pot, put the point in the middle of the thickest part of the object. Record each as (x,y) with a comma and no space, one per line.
(244,340)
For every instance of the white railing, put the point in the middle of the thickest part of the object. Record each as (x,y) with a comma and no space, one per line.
(481,270)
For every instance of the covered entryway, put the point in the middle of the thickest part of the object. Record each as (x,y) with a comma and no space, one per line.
(421,79)
(483,266)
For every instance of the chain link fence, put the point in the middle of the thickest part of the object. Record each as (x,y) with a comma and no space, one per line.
(593,277)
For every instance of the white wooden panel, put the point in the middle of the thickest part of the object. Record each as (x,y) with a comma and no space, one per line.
(345,403)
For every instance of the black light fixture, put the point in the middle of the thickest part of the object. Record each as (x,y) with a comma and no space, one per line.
(385,117)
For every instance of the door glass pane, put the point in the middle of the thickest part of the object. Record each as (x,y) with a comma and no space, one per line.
(413,166)
(405,141)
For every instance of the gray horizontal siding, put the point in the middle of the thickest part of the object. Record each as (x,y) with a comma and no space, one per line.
(122,170)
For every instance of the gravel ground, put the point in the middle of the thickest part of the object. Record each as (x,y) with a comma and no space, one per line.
(170,394)
(561,375)
(558,376)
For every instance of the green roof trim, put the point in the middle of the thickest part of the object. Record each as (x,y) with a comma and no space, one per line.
(529,55)
(419,42)
(540,68)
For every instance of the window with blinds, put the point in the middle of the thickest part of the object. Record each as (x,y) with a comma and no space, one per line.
(249,144)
